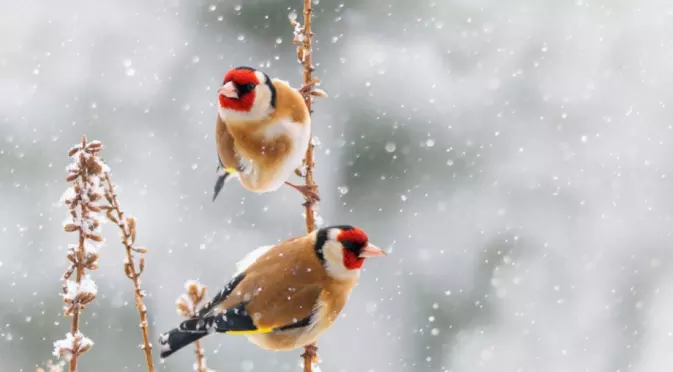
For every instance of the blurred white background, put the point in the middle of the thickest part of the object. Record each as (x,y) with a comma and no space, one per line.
(515,156)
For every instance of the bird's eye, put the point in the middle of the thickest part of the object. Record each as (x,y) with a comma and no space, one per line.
(246,88)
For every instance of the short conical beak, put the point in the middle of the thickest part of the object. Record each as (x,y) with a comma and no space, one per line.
(228,90)
(370,250)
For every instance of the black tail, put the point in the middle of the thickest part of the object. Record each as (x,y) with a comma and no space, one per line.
(219,184)
(234,319)
(176,339)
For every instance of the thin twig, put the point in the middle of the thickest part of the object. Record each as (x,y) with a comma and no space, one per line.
(127,226)
(302,39)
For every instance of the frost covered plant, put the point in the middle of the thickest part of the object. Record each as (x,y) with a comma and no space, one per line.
(187,305)
(83,199)
(86,201)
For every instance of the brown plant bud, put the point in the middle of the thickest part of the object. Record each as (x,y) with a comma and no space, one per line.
(94,146)
(182,307)
(111,217)
(71,227)
(94,237)
(85,298)
(141,265)
(92,266)
(319,93)
(94,208)
(127,270)
(131,223)
(95,225)
(141,250)
(72,177)
(193,292)
(91,258)
(74,150)
(83,349)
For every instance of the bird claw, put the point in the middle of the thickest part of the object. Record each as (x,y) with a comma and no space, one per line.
(310,353)
(310,192)
(308,87)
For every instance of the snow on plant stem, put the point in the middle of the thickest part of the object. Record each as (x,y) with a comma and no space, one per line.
(187,305)
(86,201)
(82,200)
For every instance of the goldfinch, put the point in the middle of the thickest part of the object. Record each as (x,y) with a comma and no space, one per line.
(262,132)
(283,296)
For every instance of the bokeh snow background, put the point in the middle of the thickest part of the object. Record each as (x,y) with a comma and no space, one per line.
(515,156)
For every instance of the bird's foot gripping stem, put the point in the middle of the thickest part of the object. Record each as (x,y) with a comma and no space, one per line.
(310,356)
(310,192)
(308,87)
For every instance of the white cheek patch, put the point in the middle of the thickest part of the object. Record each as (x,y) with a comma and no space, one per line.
(334,261)
(333,234)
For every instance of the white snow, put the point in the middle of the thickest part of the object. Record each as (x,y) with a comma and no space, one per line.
(65,346)
(250,258)
(86,286)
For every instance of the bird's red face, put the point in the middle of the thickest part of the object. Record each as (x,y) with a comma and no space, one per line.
(238,89)
(356,248)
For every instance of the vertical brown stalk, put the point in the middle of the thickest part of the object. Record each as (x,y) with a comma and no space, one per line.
(127,226)
(81,199)
(308,82)
(302,38)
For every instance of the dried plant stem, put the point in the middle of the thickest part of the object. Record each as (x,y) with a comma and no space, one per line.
(127,225)
(308,84)
(186,306)
(302,38)
(200,358)
(79,271)
(81,199)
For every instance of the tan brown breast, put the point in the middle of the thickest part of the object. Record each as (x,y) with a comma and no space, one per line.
(225,145)
(282,286)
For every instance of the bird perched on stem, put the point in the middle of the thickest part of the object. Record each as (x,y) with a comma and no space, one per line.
(264,123)
(283,296)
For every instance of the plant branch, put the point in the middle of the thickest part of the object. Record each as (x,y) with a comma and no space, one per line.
(127,226)
(81,199)
(303,40)
(186,306)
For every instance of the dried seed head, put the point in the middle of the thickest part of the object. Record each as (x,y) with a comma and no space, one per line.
(183,306)
(111,217)
(72,177)
(131,223)
(141,265)
(319,93)
(74,150)
(127,270)
(94,237)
